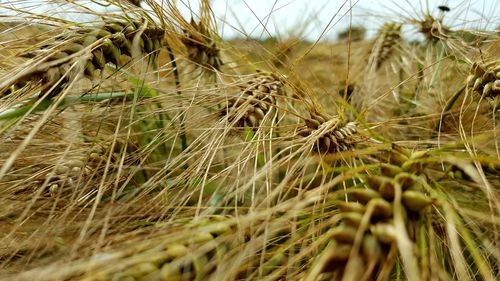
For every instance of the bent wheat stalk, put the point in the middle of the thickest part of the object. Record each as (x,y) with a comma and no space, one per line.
(84,50)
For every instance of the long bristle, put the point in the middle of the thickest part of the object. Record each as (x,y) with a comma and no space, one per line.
(144,145)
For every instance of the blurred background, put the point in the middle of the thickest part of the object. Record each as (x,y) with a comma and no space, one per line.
(326,19)
(304,19)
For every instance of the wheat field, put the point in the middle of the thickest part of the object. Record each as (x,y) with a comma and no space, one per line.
(143,145)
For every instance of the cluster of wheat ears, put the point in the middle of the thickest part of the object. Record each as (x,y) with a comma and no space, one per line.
(142,146)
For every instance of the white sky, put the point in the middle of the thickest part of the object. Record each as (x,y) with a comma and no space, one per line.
(311,18)
(308,19)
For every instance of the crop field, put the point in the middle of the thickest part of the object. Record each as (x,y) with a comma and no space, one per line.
(144,145)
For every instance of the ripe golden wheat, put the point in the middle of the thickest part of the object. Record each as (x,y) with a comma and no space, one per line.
(86,51)
(166,174)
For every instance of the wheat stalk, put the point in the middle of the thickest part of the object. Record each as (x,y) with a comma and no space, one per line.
(304,195)
(200,46)
(257,99)
(386,42)
(329,133)
(85,52)
(485,81)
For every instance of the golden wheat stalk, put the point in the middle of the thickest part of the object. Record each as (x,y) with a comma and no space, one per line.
(188,258)
(199,37)
(375,214)
(85,51)
(485,81)
(386,42)
(257,97)
(329,133)
(201,46)
(376,221)
(392,217)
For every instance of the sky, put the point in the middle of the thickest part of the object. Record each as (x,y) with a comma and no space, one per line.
(307,19)
(325,18)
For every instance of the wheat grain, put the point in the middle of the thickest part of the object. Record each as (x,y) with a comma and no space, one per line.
(367,229)
(329,134)
(257,99)
(87,51)
(386,42)
(370,214)
(201,46)
(485,81)
(185,258)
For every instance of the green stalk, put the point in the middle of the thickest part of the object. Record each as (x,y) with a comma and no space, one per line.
(481,263)
(20,111)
